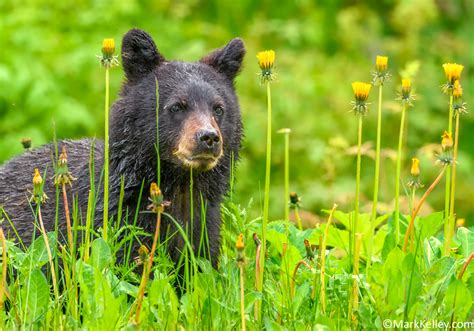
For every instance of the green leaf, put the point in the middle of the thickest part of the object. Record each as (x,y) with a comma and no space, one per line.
(38,254)
(458,300)
(35,293)
(429,225)
(101,255)
(466,238)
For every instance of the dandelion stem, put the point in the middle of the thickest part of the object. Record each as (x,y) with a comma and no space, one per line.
(418,207)
(397,182)
(298,218)
(447,240)
(266,202)
(50,259)
(106,155)
(354,302)
(287,176)
(242,296)
(323,262)
(452,216)
(356,211)
(68,220)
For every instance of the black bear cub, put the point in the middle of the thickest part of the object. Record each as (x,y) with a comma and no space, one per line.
(200,131)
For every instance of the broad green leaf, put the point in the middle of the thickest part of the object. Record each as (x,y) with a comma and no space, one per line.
(432,248)
(466,238)
(38,254)
(429,225)
(35,295)
(101,255)
(458,300)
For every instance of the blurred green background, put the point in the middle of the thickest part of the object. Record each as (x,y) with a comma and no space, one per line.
(49,73)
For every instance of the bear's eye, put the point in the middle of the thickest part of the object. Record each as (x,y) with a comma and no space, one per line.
(177,107)
(218,110)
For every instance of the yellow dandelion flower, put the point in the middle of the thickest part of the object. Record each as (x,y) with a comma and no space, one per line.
(266,59)
(155,191)
(361,91)
(37,179)
(240,242)
(457,89)
(415,167)
(108,47)
(108,59)
(381,63)
(453,71)
(446,141)
(406,85)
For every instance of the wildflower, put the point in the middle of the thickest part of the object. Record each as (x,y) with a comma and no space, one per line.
(143,254)
(26,143)
(62,174)
(295,200)
(266,59)
(459,107)
(453,73)
(381,63)
(381,74)
(460,222)
(446,157)
(239,245)
(361,94)
(415,167)
(309,249)
(447,141)
(38,196)
(405,96)
(156,197)
(108,59)
(414,182)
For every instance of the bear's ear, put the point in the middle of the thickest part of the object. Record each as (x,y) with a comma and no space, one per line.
(228,59)
(139,54)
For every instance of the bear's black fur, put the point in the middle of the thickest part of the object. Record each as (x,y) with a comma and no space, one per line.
(199,128)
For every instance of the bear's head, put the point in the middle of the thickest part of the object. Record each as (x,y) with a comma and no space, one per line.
(199,116)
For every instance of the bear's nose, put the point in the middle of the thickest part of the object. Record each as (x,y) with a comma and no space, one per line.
(208,138)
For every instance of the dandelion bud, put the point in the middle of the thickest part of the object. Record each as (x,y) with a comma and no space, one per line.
(460,222)
(37,179)
(361,94)
(108,59)
(361,91)
(155,191)
(240,243)
(415,167)
(143,253)
(447,141)
(381,63)
(295,200)
(266,59)
(108,47)
(309,249)
(406,86)
(26,143)
(457,90)
(38,195)
(63,156)
(452,72)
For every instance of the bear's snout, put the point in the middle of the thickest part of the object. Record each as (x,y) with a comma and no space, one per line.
(208,141)
(201,145)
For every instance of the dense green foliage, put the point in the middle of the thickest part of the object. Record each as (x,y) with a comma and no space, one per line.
(49,74)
